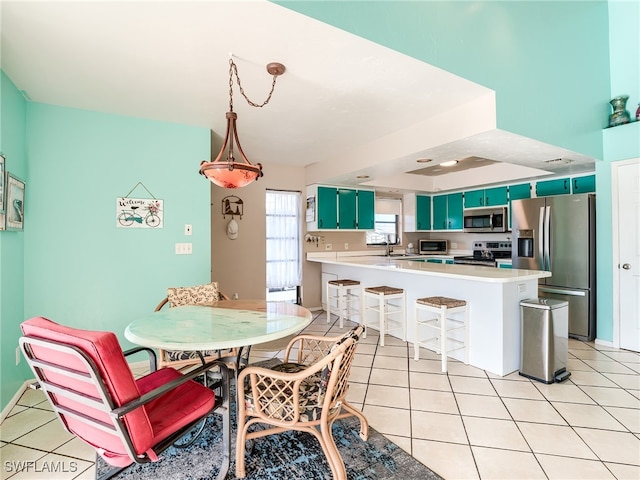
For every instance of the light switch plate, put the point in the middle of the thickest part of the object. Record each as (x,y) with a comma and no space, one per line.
(187,229)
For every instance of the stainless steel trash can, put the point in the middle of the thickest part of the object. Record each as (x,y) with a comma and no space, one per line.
(544,339)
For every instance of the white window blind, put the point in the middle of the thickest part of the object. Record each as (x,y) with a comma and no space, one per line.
(284,247)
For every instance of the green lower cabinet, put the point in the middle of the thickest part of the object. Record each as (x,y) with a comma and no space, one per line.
(449,261)
(504,265)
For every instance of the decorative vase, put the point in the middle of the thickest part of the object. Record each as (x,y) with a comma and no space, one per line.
(620,115)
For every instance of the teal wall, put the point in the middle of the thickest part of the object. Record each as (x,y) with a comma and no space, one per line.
(79,269)
(547,61)
(619,143)
(12,285)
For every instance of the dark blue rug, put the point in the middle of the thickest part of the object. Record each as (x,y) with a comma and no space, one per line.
(285,456)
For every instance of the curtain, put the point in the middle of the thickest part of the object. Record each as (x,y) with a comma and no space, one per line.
(284,247)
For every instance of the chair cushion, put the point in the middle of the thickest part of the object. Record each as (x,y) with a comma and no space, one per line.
(105,351)
(176,408)
(275,397)
(206,294)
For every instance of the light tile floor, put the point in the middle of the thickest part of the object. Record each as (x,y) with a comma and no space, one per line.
(467,424)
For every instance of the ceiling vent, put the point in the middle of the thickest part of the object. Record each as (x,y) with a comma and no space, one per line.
(559,161)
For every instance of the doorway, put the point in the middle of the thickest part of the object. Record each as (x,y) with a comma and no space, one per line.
(284,245)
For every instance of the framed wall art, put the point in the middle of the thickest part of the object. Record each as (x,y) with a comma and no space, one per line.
(14,206)
(3,190)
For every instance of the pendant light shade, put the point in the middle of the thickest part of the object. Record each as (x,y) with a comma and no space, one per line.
(230,172)
(227,170)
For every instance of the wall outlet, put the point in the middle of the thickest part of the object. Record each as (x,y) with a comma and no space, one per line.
(328,246)
(18,355)
(235,296)
(454,245)
(346,246)
(187,229)
(184,249)
(522,288)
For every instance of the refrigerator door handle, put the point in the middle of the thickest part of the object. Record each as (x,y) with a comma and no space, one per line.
(575,293)
(547,239)
(541,239)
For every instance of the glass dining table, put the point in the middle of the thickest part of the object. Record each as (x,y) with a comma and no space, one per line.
(224,325)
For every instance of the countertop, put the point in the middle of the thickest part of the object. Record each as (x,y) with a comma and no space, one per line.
(410,265)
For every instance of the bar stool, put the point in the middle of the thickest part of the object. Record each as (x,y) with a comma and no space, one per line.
(442,339)
(345,292)
(390,309)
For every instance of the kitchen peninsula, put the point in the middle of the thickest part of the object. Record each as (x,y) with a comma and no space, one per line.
(493,296)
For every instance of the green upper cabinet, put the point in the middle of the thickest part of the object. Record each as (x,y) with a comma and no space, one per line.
(440,212)
(454,211)
(327,204)
(366,209)
(423,212)
(585,184)
(334,208)
(447,212)
(347,209)
(474,198)
(520,191)
(495,196)
(557,186)
(488,197)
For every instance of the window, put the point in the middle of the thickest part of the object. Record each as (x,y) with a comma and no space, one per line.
(284,247)
(387,226)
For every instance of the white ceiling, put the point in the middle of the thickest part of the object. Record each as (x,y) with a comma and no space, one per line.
(344,107)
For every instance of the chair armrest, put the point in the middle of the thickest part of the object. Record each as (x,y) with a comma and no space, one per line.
(157,392)
(153,361)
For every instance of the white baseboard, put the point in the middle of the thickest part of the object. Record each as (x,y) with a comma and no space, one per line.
(15,398)
(605,343)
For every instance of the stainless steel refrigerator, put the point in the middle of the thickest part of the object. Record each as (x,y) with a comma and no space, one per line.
(558,234)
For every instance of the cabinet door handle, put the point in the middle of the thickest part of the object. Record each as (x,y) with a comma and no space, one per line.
(575,183)
(565,184)
(320,223)
(487,201)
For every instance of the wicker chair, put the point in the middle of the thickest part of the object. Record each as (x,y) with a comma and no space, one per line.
(307,396)
(207,294)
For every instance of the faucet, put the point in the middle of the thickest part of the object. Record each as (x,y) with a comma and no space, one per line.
(389,249)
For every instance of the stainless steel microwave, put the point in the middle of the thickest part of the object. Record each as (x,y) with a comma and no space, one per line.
(486,220)
(432,247)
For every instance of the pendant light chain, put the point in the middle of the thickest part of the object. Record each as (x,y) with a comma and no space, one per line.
(233,69)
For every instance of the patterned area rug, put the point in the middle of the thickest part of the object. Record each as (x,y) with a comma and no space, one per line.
(285,456)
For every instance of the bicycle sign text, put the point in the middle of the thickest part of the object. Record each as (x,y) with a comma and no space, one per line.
(139,213)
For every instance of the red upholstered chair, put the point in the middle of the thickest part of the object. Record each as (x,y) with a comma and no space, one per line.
(92,390)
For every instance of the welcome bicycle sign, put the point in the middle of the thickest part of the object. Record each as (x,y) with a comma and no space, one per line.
(139,213)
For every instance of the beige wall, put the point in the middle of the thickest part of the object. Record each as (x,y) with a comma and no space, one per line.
(240,265)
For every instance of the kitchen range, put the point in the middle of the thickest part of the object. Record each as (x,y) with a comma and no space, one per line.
(486,254)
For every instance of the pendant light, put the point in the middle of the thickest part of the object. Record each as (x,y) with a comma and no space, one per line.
(229,170)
